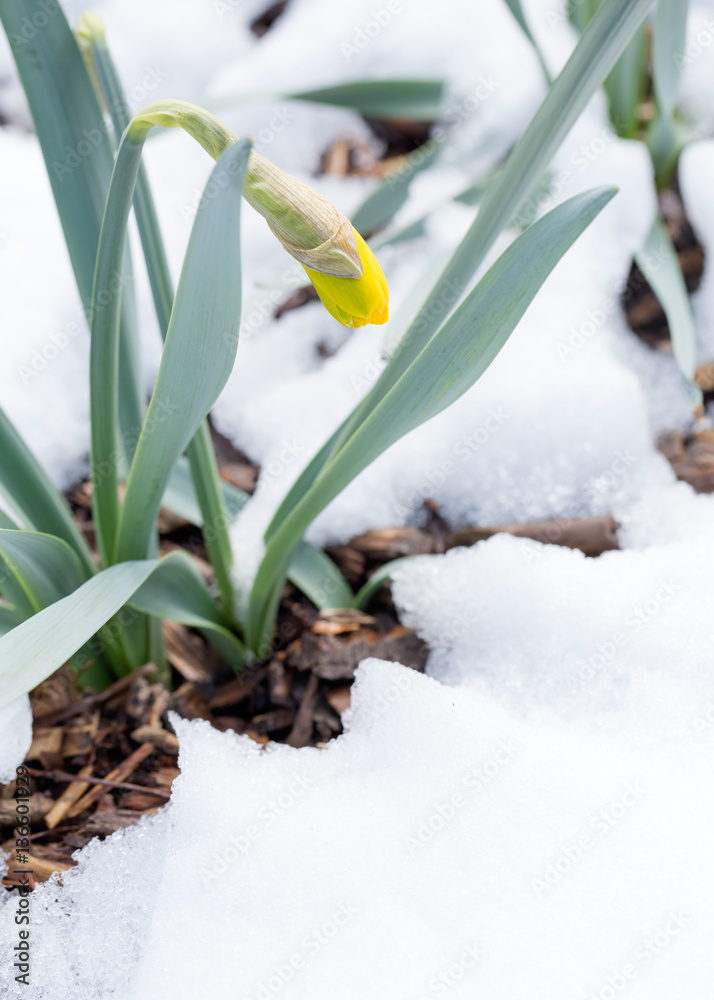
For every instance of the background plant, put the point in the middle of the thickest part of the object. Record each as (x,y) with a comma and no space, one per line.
(643,91)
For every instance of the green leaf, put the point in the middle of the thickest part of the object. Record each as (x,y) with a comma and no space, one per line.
(415,100)
(391,193)
(32,496)
(627,86)
(595,54)
(659,263)
(517,11)
(208,492)
(315,574)
(78,153)
(180,496)
(176,590)
(36,570)
(39,646)
(668,44)
(418,100)
(311,570)
(376,581)
(199,352)
(449,365)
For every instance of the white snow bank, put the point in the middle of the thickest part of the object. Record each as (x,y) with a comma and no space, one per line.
(614,638)
(449,843)
(44,344)
(15,737)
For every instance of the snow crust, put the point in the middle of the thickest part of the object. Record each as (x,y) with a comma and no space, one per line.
(456,838)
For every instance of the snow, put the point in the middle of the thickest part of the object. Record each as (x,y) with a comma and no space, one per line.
(458,832)
(43,340)
(15,736)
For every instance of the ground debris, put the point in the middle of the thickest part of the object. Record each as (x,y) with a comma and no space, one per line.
(691,457)
(592,535)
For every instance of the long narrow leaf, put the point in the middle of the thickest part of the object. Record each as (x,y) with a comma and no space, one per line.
(78,153)
(315,574)
(177,591)
(310,570)
(208,490)
(40,645)
(33,497)
(596,53)
(416,100)
(376,582)
(44,567)
(659,263)
(7,522)
(627,85)
(199,352)
(449,365)
(668,43)
(517,11)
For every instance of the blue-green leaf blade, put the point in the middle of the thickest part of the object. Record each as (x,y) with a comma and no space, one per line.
(43,567)
(659,263)
(199,352)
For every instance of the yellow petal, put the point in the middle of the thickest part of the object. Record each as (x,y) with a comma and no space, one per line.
(355,301)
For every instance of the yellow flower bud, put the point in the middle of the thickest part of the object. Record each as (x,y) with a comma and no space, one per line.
(355,301)
(337,260)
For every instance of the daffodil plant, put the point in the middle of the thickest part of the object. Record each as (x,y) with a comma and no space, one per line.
(60,599)
(643,96)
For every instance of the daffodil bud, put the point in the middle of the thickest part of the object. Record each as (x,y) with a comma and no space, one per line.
(310,228)
(339,263)
(355,302)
